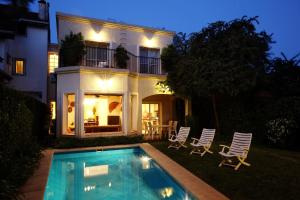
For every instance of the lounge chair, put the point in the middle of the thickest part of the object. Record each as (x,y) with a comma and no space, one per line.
(237,151)
(178,140)
(204,142)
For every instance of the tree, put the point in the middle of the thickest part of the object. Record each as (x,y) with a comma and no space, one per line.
(284,76)
(20,3)
(72,49)
(222,59)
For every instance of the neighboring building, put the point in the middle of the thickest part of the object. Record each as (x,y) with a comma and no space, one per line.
(24,38)
(96,98)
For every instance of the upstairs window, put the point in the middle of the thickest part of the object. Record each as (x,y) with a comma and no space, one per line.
(52,61)
(149,60)
(19,67)
(97,54)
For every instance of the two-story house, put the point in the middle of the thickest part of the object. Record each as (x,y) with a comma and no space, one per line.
(24,38)
(96,98)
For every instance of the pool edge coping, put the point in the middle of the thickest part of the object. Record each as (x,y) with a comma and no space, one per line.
(35,186)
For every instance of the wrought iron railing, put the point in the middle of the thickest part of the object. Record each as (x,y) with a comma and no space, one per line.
(105,58)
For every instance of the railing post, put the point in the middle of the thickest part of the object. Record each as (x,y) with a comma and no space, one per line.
(138,64)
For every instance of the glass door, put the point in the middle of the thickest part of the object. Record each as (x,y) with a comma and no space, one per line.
(150,113)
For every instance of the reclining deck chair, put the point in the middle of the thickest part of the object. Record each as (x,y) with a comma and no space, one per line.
(204,142)
(238,150)
(178,140)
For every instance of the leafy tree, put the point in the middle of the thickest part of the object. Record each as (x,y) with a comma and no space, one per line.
(224,58)
(284,76)
(72,49)
(20,3)
(121,57)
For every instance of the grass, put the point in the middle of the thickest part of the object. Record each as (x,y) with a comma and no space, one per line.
(273,174)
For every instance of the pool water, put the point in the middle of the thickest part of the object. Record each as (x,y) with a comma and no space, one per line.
(124,174)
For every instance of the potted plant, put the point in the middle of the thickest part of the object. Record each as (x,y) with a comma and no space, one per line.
(121,57)
(72,49)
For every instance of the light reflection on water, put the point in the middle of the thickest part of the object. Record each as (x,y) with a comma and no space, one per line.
(114,174)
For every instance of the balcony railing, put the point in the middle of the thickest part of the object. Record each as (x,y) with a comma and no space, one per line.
(105,58)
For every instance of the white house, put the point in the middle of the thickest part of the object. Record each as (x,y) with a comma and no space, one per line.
(96,98)
(24,38)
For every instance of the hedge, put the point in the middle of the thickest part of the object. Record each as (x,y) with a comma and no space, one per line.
(23,124)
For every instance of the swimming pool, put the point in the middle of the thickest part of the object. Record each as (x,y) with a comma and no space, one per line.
(125,174)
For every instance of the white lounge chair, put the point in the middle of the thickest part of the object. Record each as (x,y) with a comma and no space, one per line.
(178,140)
(238,150)
(204,142)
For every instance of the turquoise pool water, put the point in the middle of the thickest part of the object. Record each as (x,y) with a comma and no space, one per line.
(121,174)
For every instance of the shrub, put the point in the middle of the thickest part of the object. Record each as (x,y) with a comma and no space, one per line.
(121,57)
(72,49)
(280,130)
(100,141)
(19,132)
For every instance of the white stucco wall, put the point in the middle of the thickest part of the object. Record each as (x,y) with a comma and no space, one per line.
(81,80)
(114,36)
(88,80)
(33,47)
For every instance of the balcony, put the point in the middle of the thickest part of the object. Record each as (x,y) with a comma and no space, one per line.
(105,58)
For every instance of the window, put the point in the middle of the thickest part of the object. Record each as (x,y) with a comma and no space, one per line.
(53,109)
(150,113)
(19,68)
(70,114)
(96,54)
(149,60)
(102,113)
(52,61)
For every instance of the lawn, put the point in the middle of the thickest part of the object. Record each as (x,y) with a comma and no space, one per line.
(273,174)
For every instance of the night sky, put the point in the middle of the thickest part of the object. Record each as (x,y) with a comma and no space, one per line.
(278,17)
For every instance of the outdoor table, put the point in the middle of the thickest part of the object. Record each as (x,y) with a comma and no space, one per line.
(160,129)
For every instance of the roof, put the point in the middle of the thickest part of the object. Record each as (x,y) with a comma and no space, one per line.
(112,24)
(15,18)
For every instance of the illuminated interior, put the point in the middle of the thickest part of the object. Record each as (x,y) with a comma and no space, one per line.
(53,109)
(19,67)
(102,113)
(150,113)
(52,61)
(71,114)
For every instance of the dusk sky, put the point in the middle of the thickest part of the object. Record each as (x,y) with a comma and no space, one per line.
(278,17)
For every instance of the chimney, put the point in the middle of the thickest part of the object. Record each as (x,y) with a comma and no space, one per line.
(43,10)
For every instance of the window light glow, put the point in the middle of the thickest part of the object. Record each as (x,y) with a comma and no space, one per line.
(19,67)
(52,61)
(53,109)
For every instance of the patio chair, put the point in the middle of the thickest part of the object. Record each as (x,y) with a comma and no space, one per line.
(173,128)
(178,140)
(170,129)
(204,142)
(237,151)
(147,129)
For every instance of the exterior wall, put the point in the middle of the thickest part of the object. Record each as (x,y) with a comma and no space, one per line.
(134,87)
(131,39)
(32,47)
(87,80)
